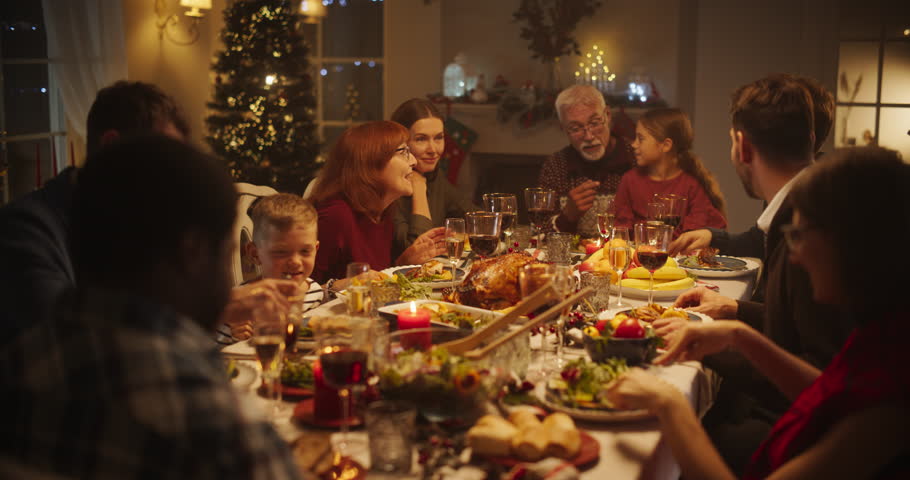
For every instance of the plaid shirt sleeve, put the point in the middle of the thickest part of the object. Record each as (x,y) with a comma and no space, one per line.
(128,390)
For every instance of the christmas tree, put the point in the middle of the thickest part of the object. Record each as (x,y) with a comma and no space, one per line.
(263,103)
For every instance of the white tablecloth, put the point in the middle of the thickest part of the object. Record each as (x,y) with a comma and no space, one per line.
(627,450)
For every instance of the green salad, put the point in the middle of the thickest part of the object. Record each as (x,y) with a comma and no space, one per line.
(583,384)
(297,374)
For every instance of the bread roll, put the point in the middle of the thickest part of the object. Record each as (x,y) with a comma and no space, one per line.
(491,436)
(524,419)
(531,443)
(564,437)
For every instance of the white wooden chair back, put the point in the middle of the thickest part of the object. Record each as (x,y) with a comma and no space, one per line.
(243,227)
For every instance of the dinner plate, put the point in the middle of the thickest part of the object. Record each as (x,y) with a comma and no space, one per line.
(693,316)
(393,309)
(658,294)
(459,276)
(731,267)
(587,454)
(595,415)
(246,375)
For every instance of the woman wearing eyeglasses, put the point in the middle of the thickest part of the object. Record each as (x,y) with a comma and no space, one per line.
(368,170)
(434,198)
(852,419)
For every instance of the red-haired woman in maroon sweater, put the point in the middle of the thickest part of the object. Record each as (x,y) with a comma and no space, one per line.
(366,173)
(666,165)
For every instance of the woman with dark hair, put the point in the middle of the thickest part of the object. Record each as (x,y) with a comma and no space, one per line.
(667,165)
(434,198)
(850,420)
(368,170)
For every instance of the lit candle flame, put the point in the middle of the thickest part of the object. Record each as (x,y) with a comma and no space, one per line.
(413,307)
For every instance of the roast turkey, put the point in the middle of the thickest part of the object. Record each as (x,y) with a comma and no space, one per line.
(492,283)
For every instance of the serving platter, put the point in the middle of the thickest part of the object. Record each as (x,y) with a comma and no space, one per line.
(393,309)
(693,316)
(730,267)
(586,456)
(593,414)
(643,294)
(404,270)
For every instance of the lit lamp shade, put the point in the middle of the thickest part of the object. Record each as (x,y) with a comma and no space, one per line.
(313,10)
(195,5)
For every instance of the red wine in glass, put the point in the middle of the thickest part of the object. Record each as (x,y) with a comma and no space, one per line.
(540,216)
(484,245)
(652,260)
(672,220)
(344,368)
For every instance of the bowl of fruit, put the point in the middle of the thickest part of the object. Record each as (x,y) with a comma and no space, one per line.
(621,337)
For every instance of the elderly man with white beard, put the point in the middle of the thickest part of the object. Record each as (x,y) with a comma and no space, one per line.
(592,164)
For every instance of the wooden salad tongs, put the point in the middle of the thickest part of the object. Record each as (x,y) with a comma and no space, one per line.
(544,317)
(536,300)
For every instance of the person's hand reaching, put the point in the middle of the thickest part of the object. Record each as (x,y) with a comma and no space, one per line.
(431,244)
(708,302)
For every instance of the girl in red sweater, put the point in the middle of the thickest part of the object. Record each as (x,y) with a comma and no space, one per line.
(666,165)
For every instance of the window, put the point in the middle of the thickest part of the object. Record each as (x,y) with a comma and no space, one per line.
(348,57)
(873,101)
(32,140)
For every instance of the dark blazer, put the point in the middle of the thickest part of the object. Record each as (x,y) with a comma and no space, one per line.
(34,253)
(788,316)
(750,243)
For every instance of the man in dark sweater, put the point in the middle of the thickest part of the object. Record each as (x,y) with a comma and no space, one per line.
(772,143)
(34,230)
(592,164)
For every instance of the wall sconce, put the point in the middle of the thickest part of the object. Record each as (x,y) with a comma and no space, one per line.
(313,10)
(187,29)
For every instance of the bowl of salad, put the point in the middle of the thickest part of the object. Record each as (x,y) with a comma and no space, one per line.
(446,388)
(628,338)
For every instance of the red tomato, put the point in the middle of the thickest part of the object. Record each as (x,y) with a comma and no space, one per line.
(629,328)
(601,325)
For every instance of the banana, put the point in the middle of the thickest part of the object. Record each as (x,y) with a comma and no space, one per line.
(659,285)
(663,273)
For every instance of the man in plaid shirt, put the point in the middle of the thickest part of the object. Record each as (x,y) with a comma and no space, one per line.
(124,380)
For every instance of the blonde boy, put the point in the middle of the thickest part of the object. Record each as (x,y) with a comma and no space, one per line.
(284,237)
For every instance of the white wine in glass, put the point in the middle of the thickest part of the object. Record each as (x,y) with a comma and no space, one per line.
(620,255)
(455,236)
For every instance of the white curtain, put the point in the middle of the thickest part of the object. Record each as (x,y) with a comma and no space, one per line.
(87,51)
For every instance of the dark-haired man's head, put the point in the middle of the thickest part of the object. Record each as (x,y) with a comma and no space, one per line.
(132,108)
(773,122)
(823,109)
(153,215)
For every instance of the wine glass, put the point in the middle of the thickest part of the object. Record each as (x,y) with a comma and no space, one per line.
(651,244)
(565,285)
(483,231)
(620,254)
(455,235)
(268,340)
(656,212)
(541,205)
(360,302)
(343,344)
(674,208)
(605,226)
(507,205)
(533,277)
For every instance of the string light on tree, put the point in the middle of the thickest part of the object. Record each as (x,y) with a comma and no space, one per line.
(593,70)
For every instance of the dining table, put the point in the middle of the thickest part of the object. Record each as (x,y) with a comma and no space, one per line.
(628,449)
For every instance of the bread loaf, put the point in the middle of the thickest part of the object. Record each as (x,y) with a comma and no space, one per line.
(524,419)
(531,443)
(564,437)
(491,436)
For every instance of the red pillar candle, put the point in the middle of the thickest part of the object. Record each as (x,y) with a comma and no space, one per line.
(414,318)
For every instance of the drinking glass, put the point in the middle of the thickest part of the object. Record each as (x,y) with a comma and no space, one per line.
(541,205)
(651,245)
(605,225)
(360,301)
(483,231)
(674,208)
(656,212)
(533,277)
(269,331)
(343,344)
(392,430)
(507,205)
(620,255)
(455,235)
(559,246)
